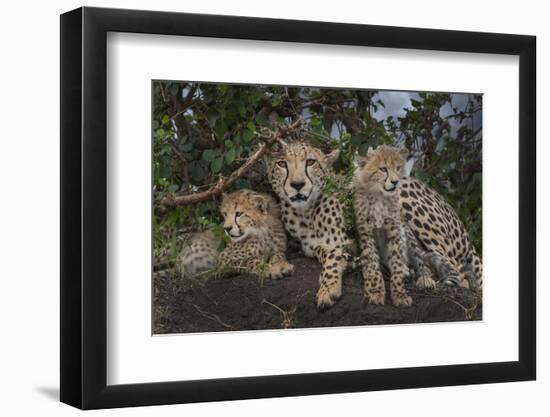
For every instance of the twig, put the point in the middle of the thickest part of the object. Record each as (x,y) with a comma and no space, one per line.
(185,109)
(171,200)
(286,315)
(468,312)
(264,301)
(212,316)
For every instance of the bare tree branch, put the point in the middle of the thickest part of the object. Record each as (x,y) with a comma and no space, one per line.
(171,200)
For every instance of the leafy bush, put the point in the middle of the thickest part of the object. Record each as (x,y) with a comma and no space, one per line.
(201,131)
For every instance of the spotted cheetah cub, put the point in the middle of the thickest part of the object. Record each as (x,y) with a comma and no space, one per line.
(384,237)
(258,241)
(252,221)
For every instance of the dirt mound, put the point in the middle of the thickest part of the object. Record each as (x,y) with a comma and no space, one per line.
(243,302)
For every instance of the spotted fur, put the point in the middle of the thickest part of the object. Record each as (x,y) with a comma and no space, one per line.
(441,234)
(384,237)
(298,173)
(257,240)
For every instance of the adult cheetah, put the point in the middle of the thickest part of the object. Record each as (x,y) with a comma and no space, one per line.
(298,173)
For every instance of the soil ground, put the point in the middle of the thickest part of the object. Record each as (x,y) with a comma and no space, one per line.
(243,302)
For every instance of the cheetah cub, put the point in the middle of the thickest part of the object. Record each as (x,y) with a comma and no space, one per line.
(252,221)
(258,241)
(384,238)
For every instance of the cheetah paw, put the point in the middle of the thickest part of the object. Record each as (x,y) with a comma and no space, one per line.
(425,282)
(452,279)
(376,298)
(402,300)
(288,269)
(280,270)
(327,297)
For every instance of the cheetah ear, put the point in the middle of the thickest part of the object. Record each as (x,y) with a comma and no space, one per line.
(359,161)
(404,153)
(333,156)
(279,150)
(370,151)
(261,203)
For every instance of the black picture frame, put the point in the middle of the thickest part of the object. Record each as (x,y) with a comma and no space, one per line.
(84,207)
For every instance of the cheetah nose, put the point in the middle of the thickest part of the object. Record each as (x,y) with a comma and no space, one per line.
(228,228)
(297,185)
(394,182)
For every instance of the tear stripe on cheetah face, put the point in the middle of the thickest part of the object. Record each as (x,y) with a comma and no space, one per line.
(382,233)
(441,234)
(298,173)
(317,221)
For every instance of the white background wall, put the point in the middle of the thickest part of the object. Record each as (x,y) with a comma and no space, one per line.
(29,225)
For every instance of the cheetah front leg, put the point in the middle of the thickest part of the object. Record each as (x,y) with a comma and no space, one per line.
(334,262)
(232,263)
(373,281)
(246,258)
(278,266)
(251,259)
(397,249)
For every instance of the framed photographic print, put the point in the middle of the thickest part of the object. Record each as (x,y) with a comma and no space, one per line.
(256,208)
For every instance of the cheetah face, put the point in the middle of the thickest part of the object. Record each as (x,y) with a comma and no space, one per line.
(245,214)
(298,173)
(381,170)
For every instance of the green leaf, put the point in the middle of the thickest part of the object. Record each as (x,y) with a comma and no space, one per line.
(209,155)
(228,143)
(174,88)
(187,147)
(357,140)
(213,118)
(261,119)
(198,170)
(172,188)
(242,109)
(247,135)
(230,156)
(363,149)
(216,165)
(165,119)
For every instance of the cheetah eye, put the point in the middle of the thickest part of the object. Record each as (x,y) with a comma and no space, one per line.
(310,162)
(224,214)
(399,168)
(282,164)
(238,214)
(384,169)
